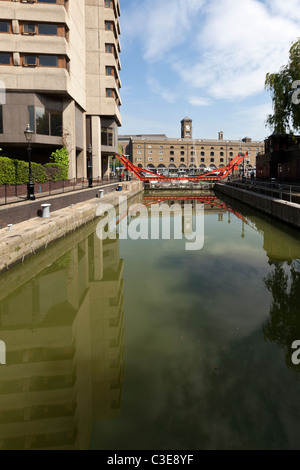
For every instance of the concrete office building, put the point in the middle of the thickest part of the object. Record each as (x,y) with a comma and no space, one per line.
(59,66)
(158,152)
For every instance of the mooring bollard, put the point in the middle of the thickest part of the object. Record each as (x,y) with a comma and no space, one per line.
(9,227)
(46,211)
(101,193)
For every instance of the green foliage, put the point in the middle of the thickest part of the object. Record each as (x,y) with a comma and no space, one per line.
(13,171)
(17,171)
(286,112)
(56,172)
(60,160)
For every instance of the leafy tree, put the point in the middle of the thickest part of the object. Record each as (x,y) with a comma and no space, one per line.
(285,94)
(283,326)
(60,159)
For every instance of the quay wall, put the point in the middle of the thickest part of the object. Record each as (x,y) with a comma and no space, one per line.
(288,212)
(28,237)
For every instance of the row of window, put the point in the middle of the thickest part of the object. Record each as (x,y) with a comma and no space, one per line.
(183,148)
(58,2)
(212,154)
(41,60)
(182,160)
(42,121)
(42,29)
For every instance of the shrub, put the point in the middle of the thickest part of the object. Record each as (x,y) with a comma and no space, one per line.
(55,172)
(17,171)
(60,158)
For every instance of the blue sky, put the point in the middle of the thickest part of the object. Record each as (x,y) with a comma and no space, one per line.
(203,58)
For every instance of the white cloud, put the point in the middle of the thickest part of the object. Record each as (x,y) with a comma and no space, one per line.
(156,87)
(230,45)
(160,26)
(197,101)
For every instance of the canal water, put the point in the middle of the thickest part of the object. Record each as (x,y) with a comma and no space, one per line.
(143,344)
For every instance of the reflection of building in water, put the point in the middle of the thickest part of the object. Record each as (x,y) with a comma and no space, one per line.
(64,335)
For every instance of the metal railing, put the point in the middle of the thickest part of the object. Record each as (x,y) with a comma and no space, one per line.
(10,194)
(283,191)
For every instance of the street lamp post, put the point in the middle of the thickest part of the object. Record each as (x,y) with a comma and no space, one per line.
(30,185)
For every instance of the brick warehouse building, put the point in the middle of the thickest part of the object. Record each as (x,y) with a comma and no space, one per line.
(160,152)
(59,65)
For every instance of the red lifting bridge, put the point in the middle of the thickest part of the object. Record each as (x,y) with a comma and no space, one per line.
(218,174)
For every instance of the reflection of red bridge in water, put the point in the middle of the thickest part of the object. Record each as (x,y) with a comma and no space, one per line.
(213,201)
(216,175)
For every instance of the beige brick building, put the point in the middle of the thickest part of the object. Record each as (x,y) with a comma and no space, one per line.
(60,65)
(160,152)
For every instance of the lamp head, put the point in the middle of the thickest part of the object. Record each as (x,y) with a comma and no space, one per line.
(28,133)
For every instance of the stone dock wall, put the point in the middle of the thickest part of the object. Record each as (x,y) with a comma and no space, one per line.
(285,211)
(29,237)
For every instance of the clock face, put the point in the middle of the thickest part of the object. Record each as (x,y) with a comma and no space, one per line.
(188,128)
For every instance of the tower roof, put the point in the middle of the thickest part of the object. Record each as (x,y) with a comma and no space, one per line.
(186,119)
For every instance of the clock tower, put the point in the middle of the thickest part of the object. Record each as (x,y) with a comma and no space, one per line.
(186,128)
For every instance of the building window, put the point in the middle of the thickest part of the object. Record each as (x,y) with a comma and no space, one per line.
(4,26)
(171,152)
(109,4)
(110,71)
(231,154)
(56,123)
(182,153)
(48,61)
(42,121)
(110,93)
(149,146)
(46,1)
(107,136)
(47,122)
(28,28)
(192,152)
(139,146)
(47,29)
(150,159)
(161,159)
(109,26)
(202,154)
(172,160)
(110,48)
(139,159)
(212,160)
(161,152)
(149,152)
(221,154)
(182,160)
(139,152)
(221,160)
(212,154)
(192,160)
(30,60)
(202,159)
(5,58)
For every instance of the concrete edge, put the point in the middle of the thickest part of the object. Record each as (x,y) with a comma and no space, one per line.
(288,212)
(27,238)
